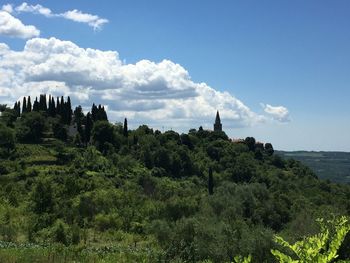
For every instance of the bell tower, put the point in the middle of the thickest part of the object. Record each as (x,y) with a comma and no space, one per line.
(217,124)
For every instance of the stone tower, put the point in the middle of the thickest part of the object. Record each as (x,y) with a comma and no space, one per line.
(217,124)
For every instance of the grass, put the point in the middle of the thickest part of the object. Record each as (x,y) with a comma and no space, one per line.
(28,253)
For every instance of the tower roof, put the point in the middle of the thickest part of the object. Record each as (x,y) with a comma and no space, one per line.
(217,119)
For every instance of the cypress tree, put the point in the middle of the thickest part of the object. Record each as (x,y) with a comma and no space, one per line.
(69,111)
(53,107)
(93,112)
(88,127)
(15,107)
(125,130)
(104,114)
(29,105)
(58,106)
(18,109)
(63,110)
(49,109)
(78,119)
(36,105)
(210,182)
(42,103)
(24,106)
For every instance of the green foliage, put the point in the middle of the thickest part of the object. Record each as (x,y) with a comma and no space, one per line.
(240,259)
(103,135)
(322,247)
(7,139)
(102,196)
(30,127)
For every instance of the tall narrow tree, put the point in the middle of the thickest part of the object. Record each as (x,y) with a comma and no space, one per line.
(58,107)
(24,105)
(29,105)
(125,130)
(53,106)
(49,108)
(94,112)
(36,106)
(69,111)
(88,127)
(18,109)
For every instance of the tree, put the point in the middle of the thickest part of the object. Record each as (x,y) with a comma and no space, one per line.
(210,182)
(53,107)
(42,102)
(24,106)
(102,133)
(7,139)
(59,232)
(59,130)
(51,110)
(88,128)
(30,127)
(94,112)
(58,106)
(250,142)
(29,105)
(269,149)
(42,197)
(8,117)
(78,119)
(77,140)
(125,129)
(69,111)
(3,107)
(36,106)
(17,109)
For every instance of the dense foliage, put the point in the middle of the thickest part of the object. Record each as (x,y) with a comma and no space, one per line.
(77,180)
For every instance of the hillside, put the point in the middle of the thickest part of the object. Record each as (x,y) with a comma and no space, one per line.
(103,191)
(334,166)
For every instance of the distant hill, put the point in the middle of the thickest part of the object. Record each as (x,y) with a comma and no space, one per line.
(334,166)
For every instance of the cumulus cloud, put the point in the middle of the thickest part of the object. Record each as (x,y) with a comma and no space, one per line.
(157,93)
(278,113)
(13,27)
(93,21)
(7,8)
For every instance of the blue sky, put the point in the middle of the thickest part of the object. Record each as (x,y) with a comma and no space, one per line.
(289,54)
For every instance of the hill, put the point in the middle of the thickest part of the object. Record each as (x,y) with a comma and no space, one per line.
(75,187)
(334,166)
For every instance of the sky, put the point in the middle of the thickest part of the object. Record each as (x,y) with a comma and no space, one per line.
(276,70)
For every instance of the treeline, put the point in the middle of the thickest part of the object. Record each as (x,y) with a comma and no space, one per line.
(55,117)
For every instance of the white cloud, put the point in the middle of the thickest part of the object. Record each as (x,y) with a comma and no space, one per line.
(13,27)
(93,21)
(35,9)
(278,113)
(160,94)
(7,8)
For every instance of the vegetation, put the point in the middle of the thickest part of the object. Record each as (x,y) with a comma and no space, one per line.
(333,166)
(78,188)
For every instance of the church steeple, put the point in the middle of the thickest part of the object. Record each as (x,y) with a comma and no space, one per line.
(217,124)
